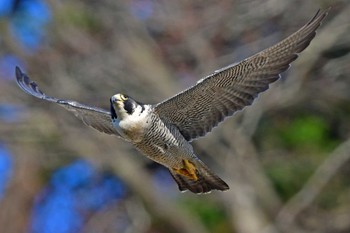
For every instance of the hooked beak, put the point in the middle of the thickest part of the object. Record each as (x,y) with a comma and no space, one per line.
(117,99)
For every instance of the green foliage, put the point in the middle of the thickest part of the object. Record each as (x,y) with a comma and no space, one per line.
(300,144)
(307,132)
(79,17)
(289,176)
(211,214)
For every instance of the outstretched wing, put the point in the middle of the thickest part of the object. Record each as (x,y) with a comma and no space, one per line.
(97,118)
(198,109)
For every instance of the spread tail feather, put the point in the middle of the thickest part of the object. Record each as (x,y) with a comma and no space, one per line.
(206,181)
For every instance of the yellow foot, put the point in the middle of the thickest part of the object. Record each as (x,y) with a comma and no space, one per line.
(188,170)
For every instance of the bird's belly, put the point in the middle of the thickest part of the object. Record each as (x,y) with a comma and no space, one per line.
(160,152)
(165,148)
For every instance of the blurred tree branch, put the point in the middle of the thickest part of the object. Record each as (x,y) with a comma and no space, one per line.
(118,52)
(313,187)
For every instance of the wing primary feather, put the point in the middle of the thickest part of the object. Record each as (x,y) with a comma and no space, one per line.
(96,118)
(239,82)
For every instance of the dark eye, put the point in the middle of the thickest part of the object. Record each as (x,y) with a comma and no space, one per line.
(124,97)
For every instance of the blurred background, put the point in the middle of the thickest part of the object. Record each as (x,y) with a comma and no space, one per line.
(286,158)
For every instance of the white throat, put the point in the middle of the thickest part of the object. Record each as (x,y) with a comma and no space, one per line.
(132,126)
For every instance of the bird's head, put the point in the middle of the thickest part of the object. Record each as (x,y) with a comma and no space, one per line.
(123,106)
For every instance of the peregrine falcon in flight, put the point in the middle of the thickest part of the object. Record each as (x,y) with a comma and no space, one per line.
(163,131)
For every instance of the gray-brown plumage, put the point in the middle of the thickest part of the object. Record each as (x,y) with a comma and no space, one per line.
(97,118)
(198,109)
(162,132)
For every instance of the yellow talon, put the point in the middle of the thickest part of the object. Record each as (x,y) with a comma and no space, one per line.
(189,170)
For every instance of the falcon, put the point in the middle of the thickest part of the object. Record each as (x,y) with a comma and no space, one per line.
(163,131)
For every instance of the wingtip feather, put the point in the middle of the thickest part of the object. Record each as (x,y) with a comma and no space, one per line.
(18,72)
(27,85)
